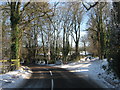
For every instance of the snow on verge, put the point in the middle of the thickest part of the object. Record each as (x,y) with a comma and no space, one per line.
(15,79)
(95,71)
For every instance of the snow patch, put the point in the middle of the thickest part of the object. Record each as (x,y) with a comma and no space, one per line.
(15,79)
(95,69)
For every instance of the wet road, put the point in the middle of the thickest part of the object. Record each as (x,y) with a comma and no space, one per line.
(53,78)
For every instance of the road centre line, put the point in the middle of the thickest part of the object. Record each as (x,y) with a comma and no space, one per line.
(52,82)
(51,73)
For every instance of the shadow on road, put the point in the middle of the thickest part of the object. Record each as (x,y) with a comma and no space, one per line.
(61,78)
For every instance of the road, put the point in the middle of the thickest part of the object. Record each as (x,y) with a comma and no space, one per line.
(53,77)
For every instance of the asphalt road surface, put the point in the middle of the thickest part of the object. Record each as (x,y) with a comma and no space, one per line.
(47,77)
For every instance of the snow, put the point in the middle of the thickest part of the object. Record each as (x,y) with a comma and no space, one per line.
(95,71)
(15,79)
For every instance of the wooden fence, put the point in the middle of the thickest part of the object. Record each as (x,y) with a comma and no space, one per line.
(8,65)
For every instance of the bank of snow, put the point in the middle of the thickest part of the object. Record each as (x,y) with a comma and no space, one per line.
(15,79)
(96,70)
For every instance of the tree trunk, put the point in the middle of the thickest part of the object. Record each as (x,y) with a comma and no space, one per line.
(49,47)
(85,47)
(15,49)
(63,51)
(43,44)
(76,47)
(15,41)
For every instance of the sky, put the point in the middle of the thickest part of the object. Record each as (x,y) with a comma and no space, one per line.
(83,25)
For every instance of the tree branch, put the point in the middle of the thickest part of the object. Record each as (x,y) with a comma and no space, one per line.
(24,7)
(91,6)
(28,21)
(18,5)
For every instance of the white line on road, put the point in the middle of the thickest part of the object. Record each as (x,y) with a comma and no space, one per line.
(50,73)
(52,83)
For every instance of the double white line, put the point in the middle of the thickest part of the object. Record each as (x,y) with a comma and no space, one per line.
(52,82)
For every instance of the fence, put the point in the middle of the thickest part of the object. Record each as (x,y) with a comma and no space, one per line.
(9,65)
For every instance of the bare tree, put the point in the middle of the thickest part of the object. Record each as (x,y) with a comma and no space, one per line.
(77,14)
(84,40)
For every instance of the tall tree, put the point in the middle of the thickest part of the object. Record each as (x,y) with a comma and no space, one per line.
(97,28)
(114,44)
(35,25)
(77,14)
(17,9)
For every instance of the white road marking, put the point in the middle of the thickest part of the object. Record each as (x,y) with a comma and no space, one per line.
(50,73)
(52,82)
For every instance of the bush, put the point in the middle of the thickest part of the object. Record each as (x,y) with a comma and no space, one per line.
(74,57)
(51,61)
